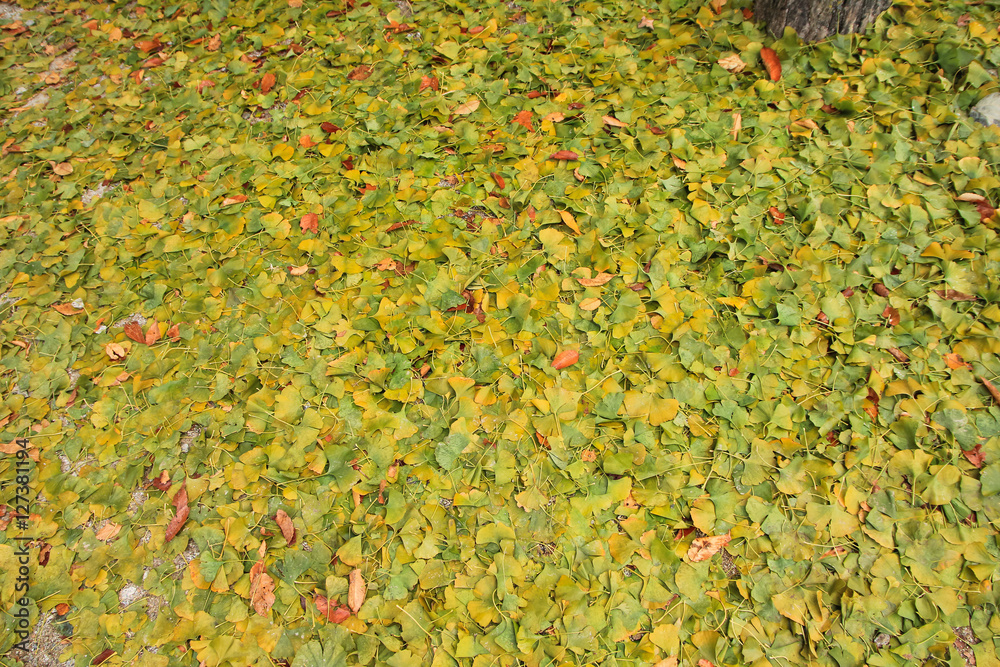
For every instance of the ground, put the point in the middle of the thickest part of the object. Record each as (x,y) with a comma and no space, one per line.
(533,333)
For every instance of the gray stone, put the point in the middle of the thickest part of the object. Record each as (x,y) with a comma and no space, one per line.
(987,110)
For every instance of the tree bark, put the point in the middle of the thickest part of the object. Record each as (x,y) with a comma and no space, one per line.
(817,19)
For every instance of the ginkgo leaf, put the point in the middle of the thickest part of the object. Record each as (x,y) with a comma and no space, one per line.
(613,122)
(703,548)
(600,279)
(466,108)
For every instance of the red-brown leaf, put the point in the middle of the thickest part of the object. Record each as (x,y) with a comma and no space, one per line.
(429,82)
(564,155)
(331,611)
(309,223)
(177,523)
(892,315)
(102,656)
(975,455)
(498,179)
(880,289)
(776,215)
(360,73)
(565,358)
(287,528)
(899,355)
(174,332)
(399,225)
(267,83)
(134,331)
(985,210)
(771,62)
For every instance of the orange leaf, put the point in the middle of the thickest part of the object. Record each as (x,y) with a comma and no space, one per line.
(771,62)
(174,332)
(360,73)
(498,179)
(679,163)
(115,351)
(523,118)
(892,315)
(309,223)
(564,155)
(357,590)
(569,221)
(235,199)
(67,309)
(429,82)
(588,455)
(267,83)
(299,270)
(565,358)
(703,548)
(600,279)
(287,528)
(214,43)
(613,122)
(108,531)
(134,331)
(954,360)
(152,333)
(776,215)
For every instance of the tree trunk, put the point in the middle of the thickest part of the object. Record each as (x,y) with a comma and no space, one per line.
(817,19)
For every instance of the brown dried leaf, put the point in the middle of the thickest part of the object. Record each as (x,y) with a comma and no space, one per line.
(63,169)
(214,43)
(892,315)
(261,589)
(299,270)
(899,355)
(287,528)
(955,295)
(613,122)
(235,199)
(646,22)
(429,82)
(564,155)
(703,548)
(975,456)
(357,590)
